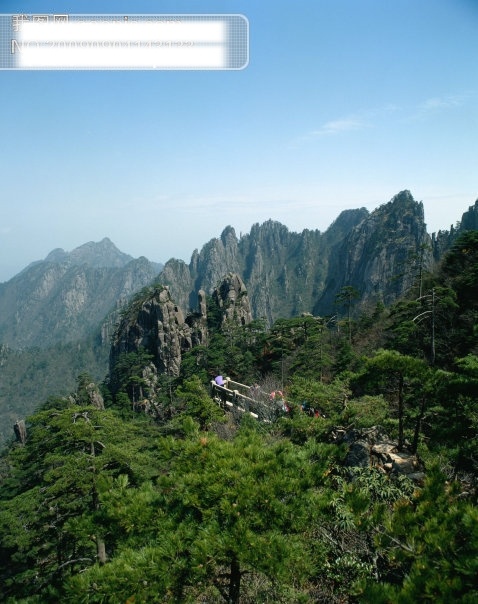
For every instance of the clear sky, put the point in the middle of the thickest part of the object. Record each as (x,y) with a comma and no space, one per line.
(344,103)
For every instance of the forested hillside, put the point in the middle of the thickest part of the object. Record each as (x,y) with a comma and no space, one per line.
(56,319)
(360,487)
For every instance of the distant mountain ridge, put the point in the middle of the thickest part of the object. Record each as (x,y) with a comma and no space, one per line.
(68,294)
(103,254)
(56,319)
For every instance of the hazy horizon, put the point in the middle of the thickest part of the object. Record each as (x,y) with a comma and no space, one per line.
(187,259)
(341,106)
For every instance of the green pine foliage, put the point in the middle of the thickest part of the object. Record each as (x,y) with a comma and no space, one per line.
(51,518)
(429,548)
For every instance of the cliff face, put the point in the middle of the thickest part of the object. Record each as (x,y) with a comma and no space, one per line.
(381,256)
(289,273)
(68,295)
(284,272)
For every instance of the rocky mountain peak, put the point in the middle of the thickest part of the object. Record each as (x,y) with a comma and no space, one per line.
(271,229)
(228,236)
(404,197)
(57,256)
(99,254)
(379,255)
(402,207)
(346,220)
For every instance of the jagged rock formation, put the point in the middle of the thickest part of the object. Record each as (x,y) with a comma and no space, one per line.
(155,323)
(231,297)
(66,296)
(217,258)
(284,272)
(288,273)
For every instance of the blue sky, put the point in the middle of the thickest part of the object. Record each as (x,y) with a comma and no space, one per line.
(343,104)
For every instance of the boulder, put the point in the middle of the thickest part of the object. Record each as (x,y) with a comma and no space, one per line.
(403,463)
(358,455)
(372,447)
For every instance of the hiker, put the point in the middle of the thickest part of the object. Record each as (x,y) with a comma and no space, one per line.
(219,380)
(255,391)
(277,394)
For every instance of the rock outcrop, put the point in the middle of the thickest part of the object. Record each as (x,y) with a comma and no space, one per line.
(156,324)
(94,396)
(20,430)
(372,447)
(232,299)
(153,322)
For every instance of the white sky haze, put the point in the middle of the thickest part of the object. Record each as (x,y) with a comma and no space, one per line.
(343,104)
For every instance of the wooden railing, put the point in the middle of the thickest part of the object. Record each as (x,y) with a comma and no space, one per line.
(245,399)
